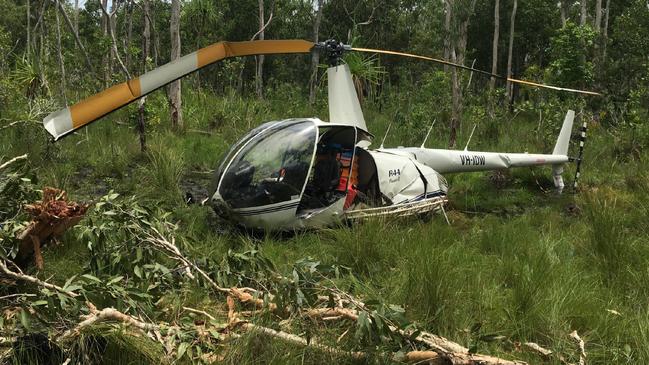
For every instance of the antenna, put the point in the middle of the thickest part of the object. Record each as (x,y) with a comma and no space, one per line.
(386,135)
(428,134)
(470,136)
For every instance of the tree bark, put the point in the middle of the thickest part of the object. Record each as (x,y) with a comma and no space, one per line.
(494,45)
(60,53)
(29,26)
(584,12)
(447,31)
(598,16)
(459,38)
(129,35)
(259,79)
(175,100)
(104,30)
(111,31)
(315,56)
(512,23)
(76,17)
(605,30)
(146,34)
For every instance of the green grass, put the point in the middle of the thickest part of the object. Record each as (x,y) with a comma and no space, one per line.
(514,261)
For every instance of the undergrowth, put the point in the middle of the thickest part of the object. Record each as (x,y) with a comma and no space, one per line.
(517,263)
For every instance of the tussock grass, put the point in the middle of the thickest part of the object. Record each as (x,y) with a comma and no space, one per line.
(514,262)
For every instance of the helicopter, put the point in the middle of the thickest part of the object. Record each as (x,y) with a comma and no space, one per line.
(303,173)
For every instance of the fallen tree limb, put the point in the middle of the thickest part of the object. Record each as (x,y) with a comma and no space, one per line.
(17,158)
(581,346)
(297,340)
(173,252)
(196,311)
(104,315)
(30,279)
(534,347)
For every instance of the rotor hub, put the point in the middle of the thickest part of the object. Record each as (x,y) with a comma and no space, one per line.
(333,50)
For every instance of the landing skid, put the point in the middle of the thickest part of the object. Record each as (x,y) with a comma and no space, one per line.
(434,204)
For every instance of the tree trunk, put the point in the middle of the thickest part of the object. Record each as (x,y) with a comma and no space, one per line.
(76,36)
(562,10)
(584,12)
(605,30)
(175,101)
(458,42)
(76,17)
(259,79)
(447,31)
(129,35)
(60,53)
(29,26)
(494,45)
(315,56)
(111,31)
(512,23)
(104,31)
(146,34)
(598,16)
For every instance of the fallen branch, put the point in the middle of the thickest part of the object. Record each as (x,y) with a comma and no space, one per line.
(30,279)
(538,349)
(581,346)
(104,315)
(192,310)
(17,158)
(297,340)
(245,297)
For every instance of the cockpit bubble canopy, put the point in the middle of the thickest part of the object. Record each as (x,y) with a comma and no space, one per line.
(271,167)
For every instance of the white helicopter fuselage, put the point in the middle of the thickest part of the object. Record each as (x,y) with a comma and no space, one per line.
(307,173)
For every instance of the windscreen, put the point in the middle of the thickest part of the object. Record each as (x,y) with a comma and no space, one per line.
(271,168)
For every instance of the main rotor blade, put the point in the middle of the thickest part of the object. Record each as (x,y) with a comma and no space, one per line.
(444,62)
(96,106)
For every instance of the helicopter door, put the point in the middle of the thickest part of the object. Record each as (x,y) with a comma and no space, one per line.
(333,172)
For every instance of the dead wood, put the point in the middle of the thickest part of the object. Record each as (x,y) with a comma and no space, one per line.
(19,276)
(534,347)
(104,315)
(51,217)
(580,346)
(17,158)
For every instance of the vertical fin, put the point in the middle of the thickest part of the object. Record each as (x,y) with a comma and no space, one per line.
(561,148)
(344,107)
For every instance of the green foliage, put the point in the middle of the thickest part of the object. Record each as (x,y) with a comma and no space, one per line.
(571,50)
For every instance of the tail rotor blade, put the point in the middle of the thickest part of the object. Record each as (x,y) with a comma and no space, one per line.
(444,62)
(94,107)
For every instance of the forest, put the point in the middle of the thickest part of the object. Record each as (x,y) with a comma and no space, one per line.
(110,252)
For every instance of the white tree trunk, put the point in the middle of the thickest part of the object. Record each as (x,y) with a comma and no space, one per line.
(584,12)
(315,56)
(76,17)
(598,16)
(60,53)
(494,45)
(512,23)
(175,101)
(146,42)
(29,27)
(259,79)
(605,31)
(447,31)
